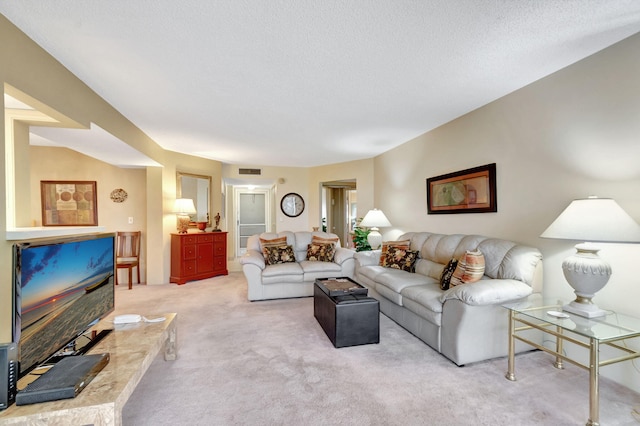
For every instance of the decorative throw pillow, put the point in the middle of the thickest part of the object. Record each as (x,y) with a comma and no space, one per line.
(279,254)
(469,270)
(458,273)
(275,242)
(447,273)
(474,267)
(323,252)
(404,245)
(322,240)
(403,259)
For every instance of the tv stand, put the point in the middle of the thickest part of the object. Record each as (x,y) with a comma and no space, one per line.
(132,348)
(78,346)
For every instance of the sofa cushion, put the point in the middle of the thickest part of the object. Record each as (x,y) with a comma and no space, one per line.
(372,271)
(392,281)
(314,270)
(403,244)
(282,272)
(321,252)
(399,258)
(424,301)
(279,254)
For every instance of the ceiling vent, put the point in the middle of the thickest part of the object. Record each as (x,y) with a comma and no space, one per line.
(250,171)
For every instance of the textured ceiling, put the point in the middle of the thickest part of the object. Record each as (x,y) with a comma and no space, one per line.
(307,82)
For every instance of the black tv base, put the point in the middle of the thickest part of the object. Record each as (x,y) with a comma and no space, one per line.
(64,380)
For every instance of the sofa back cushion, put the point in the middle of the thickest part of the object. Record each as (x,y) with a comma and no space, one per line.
(503,259)
(509,260)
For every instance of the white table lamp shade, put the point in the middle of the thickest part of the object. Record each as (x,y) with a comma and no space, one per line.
(183,207)
(374,219)
(592,220)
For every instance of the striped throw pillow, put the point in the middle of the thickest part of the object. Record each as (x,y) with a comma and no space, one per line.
(265,245)
(470,268)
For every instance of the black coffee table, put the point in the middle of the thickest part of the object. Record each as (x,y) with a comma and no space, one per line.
(346,314)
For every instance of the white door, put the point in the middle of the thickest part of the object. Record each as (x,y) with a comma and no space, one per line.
(252,207)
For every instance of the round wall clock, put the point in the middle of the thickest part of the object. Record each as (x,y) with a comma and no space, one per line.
(292,204)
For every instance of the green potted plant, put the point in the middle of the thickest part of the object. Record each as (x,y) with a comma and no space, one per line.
(359,237)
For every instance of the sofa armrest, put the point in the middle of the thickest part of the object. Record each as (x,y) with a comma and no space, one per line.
(367,258)
(253,257)
(343,254)
(488,292)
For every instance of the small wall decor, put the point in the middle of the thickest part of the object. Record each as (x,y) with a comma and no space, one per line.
(467,191)
(69,203)
(119,195)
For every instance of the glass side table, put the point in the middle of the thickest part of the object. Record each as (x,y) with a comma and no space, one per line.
(548,317)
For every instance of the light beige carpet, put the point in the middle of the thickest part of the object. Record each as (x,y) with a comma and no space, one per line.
(270,363)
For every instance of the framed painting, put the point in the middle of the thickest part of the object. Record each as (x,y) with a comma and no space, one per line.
(69,203)
(467,191)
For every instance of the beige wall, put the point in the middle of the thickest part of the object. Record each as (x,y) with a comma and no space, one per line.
(573,134)
(50,163)
(362,171)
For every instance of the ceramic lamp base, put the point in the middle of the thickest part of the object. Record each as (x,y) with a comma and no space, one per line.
(374,238)
(182,223)
(587,273)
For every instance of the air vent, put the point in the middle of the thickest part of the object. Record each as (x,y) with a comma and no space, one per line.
(250,171)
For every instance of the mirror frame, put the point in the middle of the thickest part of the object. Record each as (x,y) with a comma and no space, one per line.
(179,176)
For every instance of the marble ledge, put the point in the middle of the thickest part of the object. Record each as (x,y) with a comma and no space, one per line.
(133,348)
(16,234)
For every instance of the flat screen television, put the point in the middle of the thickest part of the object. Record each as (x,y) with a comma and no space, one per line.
(62,287)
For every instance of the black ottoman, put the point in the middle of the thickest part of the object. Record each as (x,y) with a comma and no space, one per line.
(347,319)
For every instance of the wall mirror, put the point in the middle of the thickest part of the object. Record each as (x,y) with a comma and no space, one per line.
(198,188)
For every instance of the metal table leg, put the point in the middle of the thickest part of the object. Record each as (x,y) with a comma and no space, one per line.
(512,347)
(594,373)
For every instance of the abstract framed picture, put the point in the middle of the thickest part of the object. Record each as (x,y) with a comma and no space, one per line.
(467,191)
(69,203)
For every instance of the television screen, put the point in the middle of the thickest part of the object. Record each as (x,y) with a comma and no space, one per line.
(63,287)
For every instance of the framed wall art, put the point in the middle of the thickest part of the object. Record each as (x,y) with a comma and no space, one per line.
(69,203)
(467,191)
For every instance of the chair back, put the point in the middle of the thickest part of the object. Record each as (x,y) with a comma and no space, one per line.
(128,245)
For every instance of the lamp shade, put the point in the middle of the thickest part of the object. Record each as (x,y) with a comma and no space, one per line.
(375,219)
(594,220)
(184,206)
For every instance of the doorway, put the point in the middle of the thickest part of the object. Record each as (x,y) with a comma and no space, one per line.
(253,215)
(339,202)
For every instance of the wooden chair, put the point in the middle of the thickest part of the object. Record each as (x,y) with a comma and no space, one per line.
(128,253)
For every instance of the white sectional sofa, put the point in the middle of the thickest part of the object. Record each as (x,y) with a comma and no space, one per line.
(465,323)
(292,279)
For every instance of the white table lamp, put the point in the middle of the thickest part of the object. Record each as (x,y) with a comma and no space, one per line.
(591,219)
(183,207)
(374,219)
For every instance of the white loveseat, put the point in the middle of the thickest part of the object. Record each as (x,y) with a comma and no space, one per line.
(294,279)
(465,323)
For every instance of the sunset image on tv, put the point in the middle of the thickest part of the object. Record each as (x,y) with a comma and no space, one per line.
(65,287)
